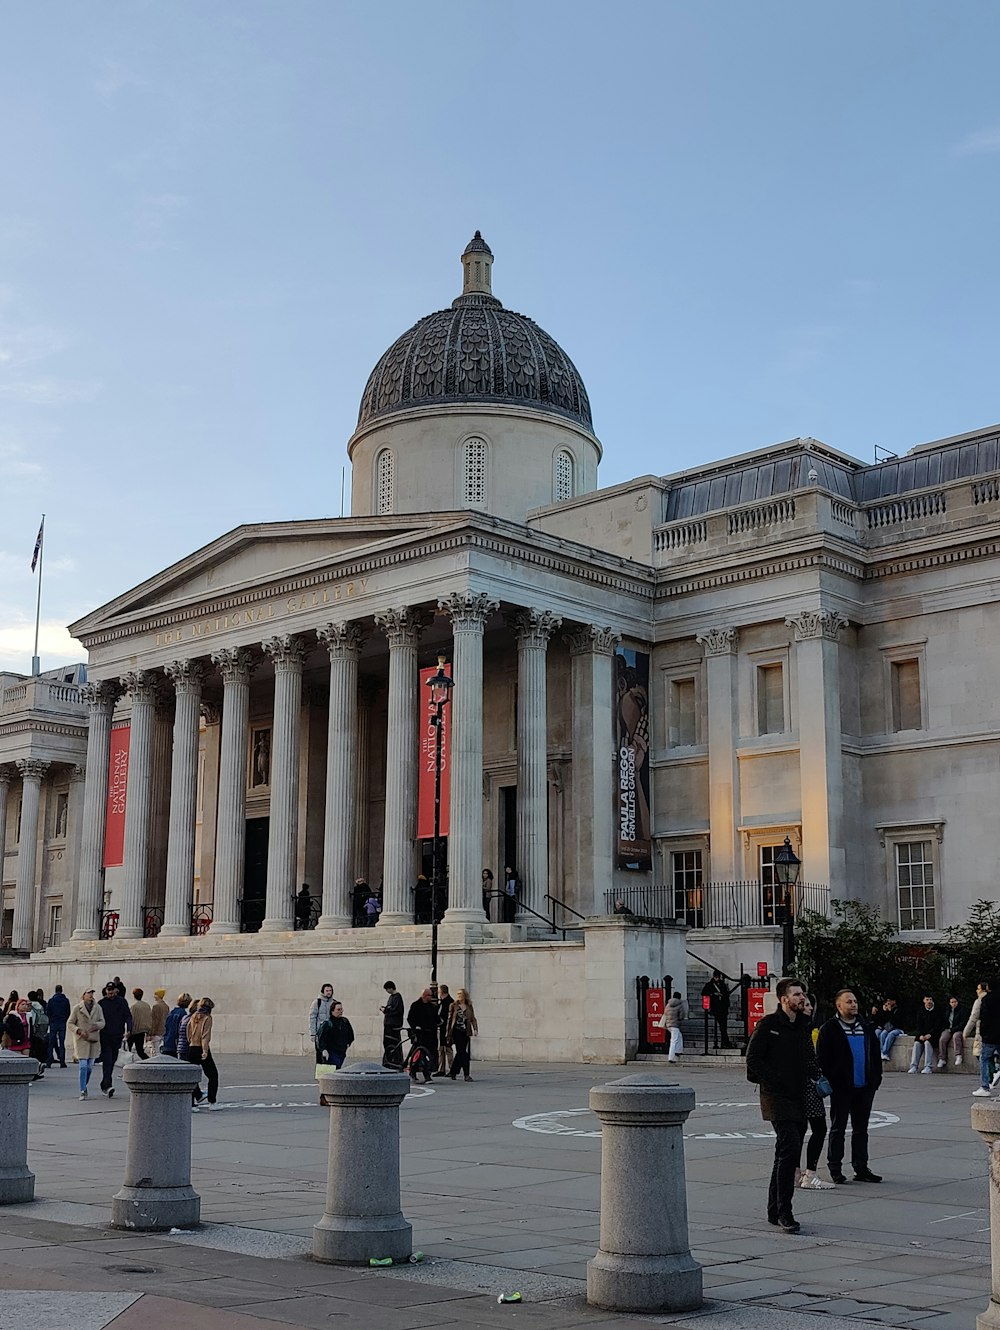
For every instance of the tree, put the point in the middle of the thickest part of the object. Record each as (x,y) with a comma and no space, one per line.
(974,948)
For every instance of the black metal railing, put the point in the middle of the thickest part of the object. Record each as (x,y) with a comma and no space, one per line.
(251,914)
(152,920)
(557,904)
(744,904)
(200,920)
(109,924)
(302,920)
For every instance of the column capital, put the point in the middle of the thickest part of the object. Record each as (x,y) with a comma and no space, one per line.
(140,685)
(809,624)
(402,627)
(343,640)
(187,676)
(31,768)
(78,773)
(6,774)
(534,627)
(592,638)
(287,650)
(468,609)
(101,695)
(719,641)
(211,712)
(235,664)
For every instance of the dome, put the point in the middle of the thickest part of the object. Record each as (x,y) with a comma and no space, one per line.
(476,351)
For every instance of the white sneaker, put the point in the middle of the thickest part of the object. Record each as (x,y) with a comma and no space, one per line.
(885,1057)
(927,1071)
(958,1062)
(912,1071)
(941,1063)
(995,1081)
(815,1182)
(214,1106)
(981,1093)
(83,1095)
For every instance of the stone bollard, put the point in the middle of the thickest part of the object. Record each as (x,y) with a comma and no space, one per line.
(986,1120)
(644,1263)
(157,1193)
(363,1216)
(17,1182)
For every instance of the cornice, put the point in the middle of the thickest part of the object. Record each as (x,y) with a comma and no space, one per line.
(67,729)
(738,573)
(937,558)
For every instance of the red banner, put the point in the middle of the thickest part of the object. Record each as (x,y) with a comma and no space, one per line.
(428,760)
(114,831)
(755,1007)
(656,999)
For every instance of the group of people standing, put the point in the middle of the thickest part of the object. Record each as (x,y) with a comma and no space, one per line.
(440,1031)
(941,1032)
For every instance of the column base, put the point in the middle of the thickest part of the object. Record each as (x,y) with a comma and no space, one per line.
(223,926)
(174,930)
(84,935)
(459,915)
(277,926)
(328,923)
(394,920)
(990,1318)
(155,1209)
(17,1185)
(127,934)
(644,1283)
(353,1240)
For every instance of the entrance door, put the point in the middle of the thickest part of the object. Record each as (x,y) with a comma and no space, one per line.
(254,875)
(508,832)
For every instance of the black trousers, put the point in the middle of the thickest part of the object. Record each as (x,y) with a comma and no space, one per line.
(857,1106)
(392,1047)
(461,1062)
(721,1019)
(57,1043)
(137,1043)
(787,1152)
(817,1135)
(109,1056)
(207,1063)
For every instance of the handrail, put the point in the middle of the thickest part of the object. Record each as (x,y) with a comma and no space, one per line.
(568,908)
(712,966)
(556,928)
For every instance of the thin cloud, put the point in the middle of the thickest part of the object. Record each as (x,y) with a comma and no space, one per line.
(113,78)
(50,392)
(979,142)
(17,640)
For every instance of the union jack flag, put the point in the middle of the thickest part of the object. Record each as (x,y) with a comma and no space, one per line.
(38,546)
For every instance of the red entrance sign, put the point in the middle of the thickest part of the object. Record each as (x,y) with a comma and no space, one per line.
(762,969)
(656,1005)
(428,762)
(755,1007)
(114,830)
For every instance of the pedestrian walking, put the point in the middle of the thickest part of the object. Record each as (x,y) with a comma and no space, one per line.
(778,1060)
(199,1051)
(392,1027)
(171,1029)
(183,1048)
(335,1037)
(851,1060)
(159,1012)
(58,1008)
(445,1044)
(142,1024)
(86,1022)
(717,992)
(39,1032)
(422,1027)
(461,1028)
(951,1036)
(674,1013)
(817,1086)
(117,1023)
(988,1021)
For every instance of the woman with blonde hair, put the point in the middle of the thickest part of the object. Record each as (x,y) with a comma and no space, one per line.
(199,1040)
(461,1027)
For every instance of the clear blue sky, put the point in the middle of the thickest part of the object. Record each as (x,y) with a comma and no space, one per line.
(744,222)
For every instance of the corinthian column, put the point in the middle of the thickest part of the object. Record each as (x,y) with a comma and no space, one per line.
(231,831)
(5,778)
(402,627)
(288,653)
(24,883)
(140,686)
(468,613)
(592,648)
(343,641)
(187,677)
(723,765)
(100,699)
(533,628)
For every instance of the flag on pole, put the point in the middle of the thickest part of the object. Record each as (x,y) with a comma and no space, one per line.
(38,546)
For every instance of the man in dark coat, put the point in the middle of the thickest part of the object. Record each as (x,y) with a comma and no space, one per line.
(717,992)
(422,1026)
(117,1019)
(392,1027)
(778,1060)
(58,1008)
(851,1060)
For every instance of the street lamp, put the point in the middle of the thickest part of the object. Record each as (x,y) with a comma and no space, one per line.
(440,685)
(787,866)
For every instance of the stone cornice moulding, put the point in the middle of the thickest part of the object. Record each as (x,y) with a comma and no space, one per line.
(917,827)
(24,726)
(504,409)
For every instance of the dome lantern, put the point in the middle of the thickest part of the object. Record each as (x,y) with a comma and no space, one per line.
(477,262)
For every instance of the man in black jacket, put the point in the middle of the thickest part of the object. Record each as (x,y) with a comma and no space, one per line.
(58,1008)
(778,1060)
(930,1023)
(422,1026)
(117,1019)
(392,1027)
(717,992)
(851,1060)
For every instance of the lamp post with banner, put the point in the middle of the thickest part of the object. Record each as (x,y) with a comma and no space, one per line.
(787,866)
(440,685)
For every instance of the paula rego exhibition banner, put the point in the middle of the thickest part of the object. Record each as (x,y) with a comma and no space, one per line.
(635,847)
(428,747)
(114,828)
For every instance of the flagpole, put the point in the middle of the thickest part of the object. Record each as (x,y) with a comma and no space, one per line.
(36,664)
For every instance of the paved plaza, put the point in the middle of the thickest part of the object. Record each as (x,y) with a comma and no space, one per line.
(501,1184)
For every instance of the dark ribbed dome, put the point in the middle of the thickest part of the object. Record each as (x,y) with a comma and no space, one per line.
(477,351)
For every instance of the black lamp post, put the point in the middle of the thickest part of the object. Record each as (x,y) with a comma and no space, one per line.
(440,686)
(787,866)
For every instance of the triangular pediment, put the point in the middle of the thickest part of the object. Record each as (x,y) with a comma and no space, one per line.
(249,557)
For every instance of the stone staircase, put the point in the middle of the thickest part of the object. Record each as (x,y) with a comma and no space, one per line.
(693,1028)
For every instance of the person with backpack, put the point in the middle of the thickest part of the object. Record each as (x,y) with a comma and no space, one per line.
(320,1011)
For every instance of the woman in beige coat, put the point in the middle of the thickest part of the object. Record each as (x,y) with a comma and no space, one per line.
(86,1021)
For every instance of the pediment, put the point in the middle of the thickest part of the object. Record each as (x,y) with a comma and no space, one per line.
(249,557)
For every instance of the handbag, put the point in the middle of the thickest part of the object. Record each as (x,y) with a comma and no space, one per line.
(824,1087)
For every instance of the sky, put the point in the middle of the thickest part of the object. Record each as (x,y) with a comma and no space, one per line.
(744,223)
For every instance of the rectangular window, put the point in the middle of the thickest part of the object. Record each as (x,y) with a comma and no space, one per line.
(685,871)
(772,896)
(770,699)
(915,884)
(906,711)
(683,727)
(55,925)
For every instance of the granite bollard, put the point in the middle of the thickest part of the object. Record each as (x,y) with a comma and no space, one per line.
(986,1121)
(157,1193)
(362,1217)
(17,1182)
(644,1262)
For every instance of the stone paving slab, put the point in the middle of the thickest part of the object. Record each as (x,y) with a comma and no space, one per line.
(47,1310)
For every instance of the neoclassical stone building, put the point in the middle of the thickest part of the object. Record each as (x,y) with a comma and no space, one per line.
(654,684)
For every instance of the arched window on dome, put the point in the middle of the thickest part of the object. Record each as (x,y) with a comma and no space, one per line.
(475,456)
(383,482)
(563,478)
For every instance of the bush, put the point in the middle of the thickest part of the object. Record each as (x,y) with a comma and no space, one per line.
(974,949)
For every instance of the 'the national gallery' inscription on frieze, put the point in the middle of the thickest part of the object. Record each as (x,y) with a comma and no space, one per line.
(243,617)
